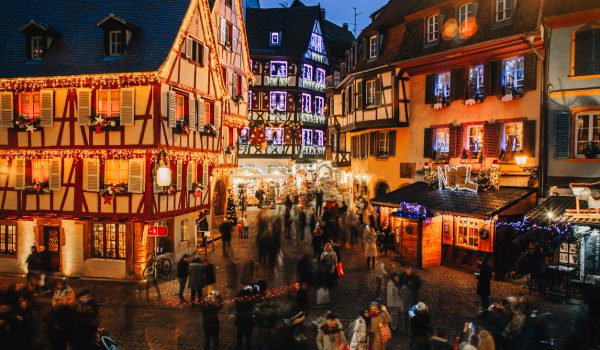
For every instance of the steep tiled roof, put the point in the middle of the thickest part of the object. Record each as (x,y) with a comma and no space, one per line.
(484,204)
(557,205)
(79,45)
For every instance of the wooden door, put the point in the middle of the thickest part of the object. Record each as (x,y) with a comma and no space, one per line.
(53,244)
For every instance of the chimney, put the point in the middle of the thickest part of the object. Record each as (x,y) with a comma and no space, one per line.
(345,26)
(323,13)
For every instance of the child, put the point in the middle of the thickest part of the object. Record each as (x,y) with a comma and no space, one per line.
(240,228)
(245,225)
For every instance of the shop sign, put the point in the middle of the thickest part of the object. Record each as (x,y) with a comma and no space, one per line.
(157,231)
(456,178)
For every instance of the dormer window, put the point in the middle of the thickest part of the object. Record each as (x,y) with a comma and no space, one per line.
(38,49)
(275,39)
(316,43)
(117,34)
(38,39)
(503,10)
(465,17)
(115,43)
(373,47)
(433,28)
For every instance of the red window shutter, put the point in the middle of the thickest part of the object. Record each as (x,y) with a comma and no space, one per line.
(529,138)
(266,100)
(230,136)
(428,143)
(456,145)
(490,140)
(429,87)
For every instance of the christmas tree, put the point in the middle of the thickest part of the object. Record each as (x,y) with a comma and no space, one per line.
(231,214)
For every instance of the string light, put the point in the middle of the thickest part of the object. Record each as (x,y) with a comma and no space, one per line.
(88,80)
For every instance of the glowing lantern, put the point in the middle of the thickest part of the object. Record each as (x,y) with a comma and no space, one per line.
(163,176)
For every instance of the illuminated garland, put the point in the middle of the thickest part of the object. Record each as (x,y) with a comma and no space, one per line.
(87,80)
(234,121)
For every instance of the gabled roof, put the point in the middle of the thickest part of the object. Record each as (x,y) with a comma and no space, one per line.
(79,45)
(482,204)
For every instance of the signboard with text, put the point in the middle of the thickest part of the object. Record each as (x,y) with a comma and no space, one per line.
(157,231)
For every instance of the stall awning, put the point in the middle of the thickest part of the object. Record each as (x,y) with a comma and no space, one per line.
(482,204)
(557,207)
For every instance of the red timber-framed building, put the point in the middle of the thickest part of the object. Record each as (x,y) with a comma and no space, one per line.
(90,108)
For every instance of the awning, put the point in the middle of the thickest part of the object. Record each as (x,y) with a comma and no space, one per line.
(482,204)
(557,206)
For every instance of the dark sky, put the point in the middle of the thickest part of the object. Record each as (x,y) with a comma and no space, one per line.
(339,11)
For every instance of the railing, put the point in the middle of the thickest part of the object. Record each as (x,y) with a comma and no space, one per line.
(313,118)
(341,159)
(310,84)
(310,151)
(251,150)
(277,81)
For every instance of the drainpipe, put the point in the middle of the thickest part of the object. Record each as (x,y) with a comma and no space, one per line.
(543,162)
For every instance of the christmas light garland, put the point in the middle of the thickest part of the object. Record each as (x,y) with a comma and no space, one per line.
(75,81)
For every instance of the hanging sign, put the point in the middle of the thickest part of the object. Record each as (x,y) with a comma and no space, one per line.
(456,178)
(157,231)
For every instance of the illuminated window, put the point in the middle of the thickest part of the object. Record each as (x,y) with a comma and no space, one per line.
(306,103)
(307,72)
(180,108)
(109,103)
(503,10)
(29,104)
(307,137)
(275,38)
(383,146)
(370,93)
(441,140)
(373,49)
(40,170)
(319,104)
(433,28)
(209,112)
(513,70)
(318,138)
(476,80)
(274,136)
(116,171)
(513,136)
(568,254)
(465,17)
(278,101)
(442,85)
(37,48)
(587,134)
(474,138)
(316,43)
(8,239)
(115,42)
(109,241)
(467,233)
(320,76)
(279,69)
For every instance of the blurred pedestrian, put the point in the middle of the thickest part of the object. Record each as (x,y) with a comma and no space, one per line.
(484,279)
(244,321)
(330,334)
(394,301)
(210,277)
(183,271)
(380,317)
(33,269)
(196,281)
(210,307)
(329,261)
(380,277)
(370,247)
(318,201)
(226,230)
(359,339)
(302,222)
(420,322)
(412,280)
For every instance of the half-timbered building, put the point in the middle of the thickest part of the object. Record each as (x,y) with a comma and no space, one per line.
(96,112)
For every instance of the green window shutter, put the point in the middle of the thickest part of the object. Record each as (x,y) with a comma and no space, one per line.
(562,134)
(584,47)
(392,146)
(429,83)
(457,84)
(373,144)
(530,72)
(529,138)
(378,92)
(428,143)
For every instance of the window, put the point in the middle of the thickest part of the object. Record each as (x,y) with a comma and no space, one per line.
(40,170)
(279,69)
(238,86)
(465,17)
(275,38)
(316,43)
(278,102)
(185,230)
(109,103)
(475,138)
(319,104)
(109,241)
(115,46)
(513,137)
(587,134)
(196,50)
(116,171)
(364,145)
(476,81)
(433,28)
(373,46)
(209,112)
(513,72)
(306,103)
(442,85)
(568,254)
(29,104)
(441,140)
(370,93)
(244,137)
(8,239)
(180,108)
(307,72)
(503,10)
(307,137)
(586,59)
(226,33)
(274,136)
(318,139)
(37,48)
(468,232)
(383,146)
(320,76)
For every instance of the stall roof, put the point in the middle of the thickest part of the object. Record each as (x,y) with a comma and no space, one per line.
(485,204)
(558,205)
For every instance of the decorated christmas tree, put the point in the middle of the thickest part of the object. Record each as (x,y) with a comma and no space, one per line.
(231,214)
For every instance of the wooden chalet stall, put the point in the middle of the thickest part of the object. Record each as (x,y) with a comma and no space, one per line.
(448,226)
(91,109)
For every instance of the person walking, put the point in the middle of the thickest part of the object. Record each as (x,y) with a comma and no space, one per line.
(412,280)
(210,307)
(210,278)
(330,334)
(408,300)
(183,271)
(380,317)
(196,281)
(380,277)
(33,267)
(420,323)
(370,247)
(484,279)
(225,230)
(319,201)
(328,261)
(302,222)
(245,223)
(394,301)
(359,339)
(244,321)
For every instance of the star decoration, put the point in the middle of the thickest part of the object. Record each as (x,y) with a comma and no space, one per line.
(98,128)
(197,193)
(30,128)
(107,199)
(99,119)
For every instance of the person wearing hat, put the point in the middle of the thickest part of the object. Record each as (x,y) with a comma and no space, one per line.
(330,334)
(379,316)
(420,323)
(359,339)
(210,307)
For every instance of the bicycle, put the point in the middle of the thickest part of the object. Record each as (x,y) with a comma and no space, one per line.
(159,264)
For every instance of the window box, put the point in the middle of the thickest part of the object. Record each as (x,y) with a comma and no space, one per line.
(210,130)
(170,190)
(38,187)
(196,189)
(182,127)
(24,123)
(109,192)
(100,123)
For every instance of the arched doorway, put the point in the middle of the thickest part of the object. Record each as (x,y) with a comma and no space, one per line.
(219,198)
(381,188)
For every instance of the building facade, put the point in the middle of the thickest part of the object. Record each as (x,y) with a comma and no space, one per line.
(95,112)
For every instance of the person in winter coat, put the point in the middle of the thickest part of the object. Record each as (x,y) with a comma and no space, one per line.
(360,209)
(328,262)
(196,280)
(210,307)
(420,322)
(330,334)
(408,300)
(380,276)
(183,271)
(244,322)
(484,279)
(379,315)
(394,301)
(360,339)
(210,277)
(302,222)
(412,280)
(370,247)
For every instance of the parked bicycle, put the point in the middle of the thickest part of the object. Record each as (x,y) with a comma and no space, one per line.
(159,265)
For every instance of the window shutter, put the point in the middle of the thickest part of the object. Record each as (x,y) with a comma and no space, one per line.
(596,52)
(205,175)
(429,86)
(189,47)
(6,109)
(46,107)
(127,106)
(492,78)
(380,46)
(457,84)
(266,101)
(201,112)
(136,175)
(84,106)
(428,143)
(584,55)
(205,53)
(156,188)
(225,137)
(172,108)
(223,35)
(562,134)
(373,144)
(189,178)
(193,112)
(217,115)
(456,147)
(392,143)
(92,174)
(235,38)
(19,173)
(55,174)
(530,72)
(365,48)
(359,95)
(491,145)
(179,174)
(378,92)
(529,138)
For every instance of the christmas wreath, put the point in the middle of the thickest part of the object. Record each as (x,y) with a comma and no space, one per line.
(484,233)
(196,189)
(409,229)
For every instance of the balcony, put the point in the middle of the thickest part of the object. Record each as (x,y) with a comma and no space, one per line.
(313,118)
(258,151)
(311,85)
(340,159)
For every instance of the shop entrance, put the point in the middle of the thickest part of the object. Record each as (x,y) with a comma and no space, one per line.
(52,243)
(381,188)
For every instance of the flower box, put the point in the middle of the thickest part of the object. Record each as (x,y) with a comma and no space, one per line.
(182,127)
(24,123)
(38,188)
(101,123)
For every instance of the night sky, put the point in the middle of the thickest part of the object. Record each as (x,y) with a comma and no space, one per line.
(338,11)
